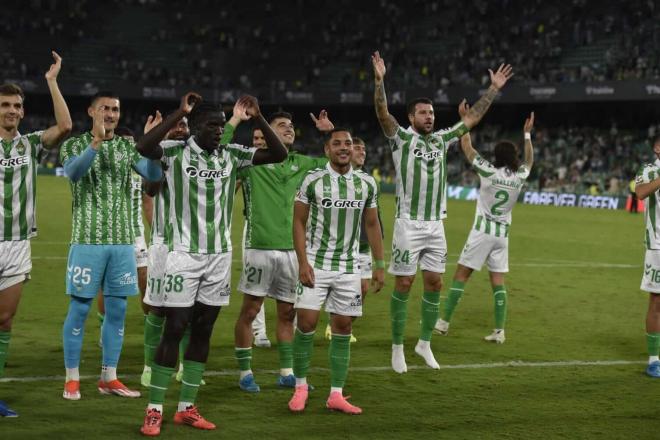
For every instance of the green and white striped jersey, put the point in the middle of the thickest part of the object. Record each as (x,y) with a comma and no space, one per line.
(102,211)
(648,173)
(498,194)
(421,171)
(201,192)
(136,204)
(18,186)
(160,222)
(336,203)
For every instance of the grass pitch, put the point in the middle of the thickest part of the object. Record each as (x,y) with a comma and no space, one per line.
(575,311)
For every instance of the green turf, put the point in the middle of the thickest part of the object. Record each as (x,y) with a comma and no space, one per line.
(565,303)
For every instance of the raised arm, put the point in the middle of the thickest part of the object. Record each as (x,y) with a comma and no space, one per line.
(478,110)
(375,238)
(466,141)
(300,215)
(387,121)
(529,149)
(55,134)
(148,145)
(275,150)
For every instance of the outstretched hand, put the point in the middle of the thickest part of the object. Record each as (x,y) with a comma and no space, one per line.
(501,76)
(251,104)
(54,69)
(189,101)
(463,108)
(240,109)
(322,123)
(379,66)
(529,123)
(152,121)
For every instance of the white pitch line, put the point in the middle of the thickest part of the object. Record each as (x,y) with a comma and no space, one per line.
(510,364)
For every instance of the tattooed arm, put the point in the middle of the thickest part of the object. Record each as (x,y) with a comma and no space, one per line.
(387,121)
(479,109)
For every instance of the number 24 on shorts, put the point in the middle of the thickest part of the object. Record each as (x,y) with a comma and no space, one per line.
(401,257)
(173,283)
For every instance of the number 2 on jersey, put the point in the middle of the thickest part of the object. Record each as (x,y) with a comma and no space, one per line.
(503,197)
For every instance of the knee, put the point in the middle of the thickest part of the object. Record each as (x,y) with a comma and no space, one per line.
(174,328)
(403,284)
(286,315)
(249,313)
(343,327)
(6,319)
(434,285)
(115,308)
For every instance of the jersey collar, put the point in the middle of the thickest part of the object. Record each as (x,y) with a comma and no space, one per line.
(199,150)
(335,175)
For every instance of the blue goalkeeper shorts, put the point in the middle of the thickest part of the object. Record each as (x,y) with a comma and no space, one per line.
(108,266)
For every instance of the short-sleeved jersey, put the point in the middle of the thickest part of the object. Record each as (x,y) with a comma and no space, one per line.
(136,204)
(268,192)
(336,203)
(201,194)
(648,173)
(420,162)
(498,193)
(102,211)
(18,186)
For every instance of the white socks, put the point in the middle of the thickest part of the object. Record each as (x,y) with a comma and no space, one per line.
(72,374)
(423,348)
(398,359)
(108,374)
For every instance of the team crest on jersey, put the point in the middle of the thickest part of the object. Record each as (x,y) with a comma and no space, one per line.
(193,172)
(20,148)
(428,155)
(327,202)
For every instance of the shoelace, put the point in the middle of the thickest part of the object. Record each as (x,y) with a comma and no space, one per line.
(152,417)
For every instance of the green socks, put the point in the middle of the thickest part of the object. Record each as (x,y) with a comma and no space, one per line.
(499,296)
(153,329)
(285,350)
(454,296)
(183,345)
(303,344)
(4,348)
(652,342)
(430,312)
(244,358)
(192,377)
(160,379)
(398,315)
(340,356)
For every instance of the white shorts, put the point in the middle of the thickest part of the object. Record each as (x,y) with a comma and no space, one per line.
(416,241)
(340,291)
(270,273)
(141,254)
(190,278)
(483,248)
(651,276)
(15,262)
(365,266)
(155,273)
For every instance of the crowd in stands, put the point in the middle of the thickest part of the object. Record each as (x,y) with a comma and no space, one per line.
(580,159)
(297,45)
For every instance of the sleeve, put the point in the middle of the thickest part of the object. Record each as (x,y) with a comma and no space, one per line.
(400,137)
(523,172)
(242,154)
(372,197)
(451,135)
(36,143)
(227,134)
(305,191)
(483,167)
(68,149)
(77,166)
(647,174)
(149,169)
(170,150)
(135,156)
